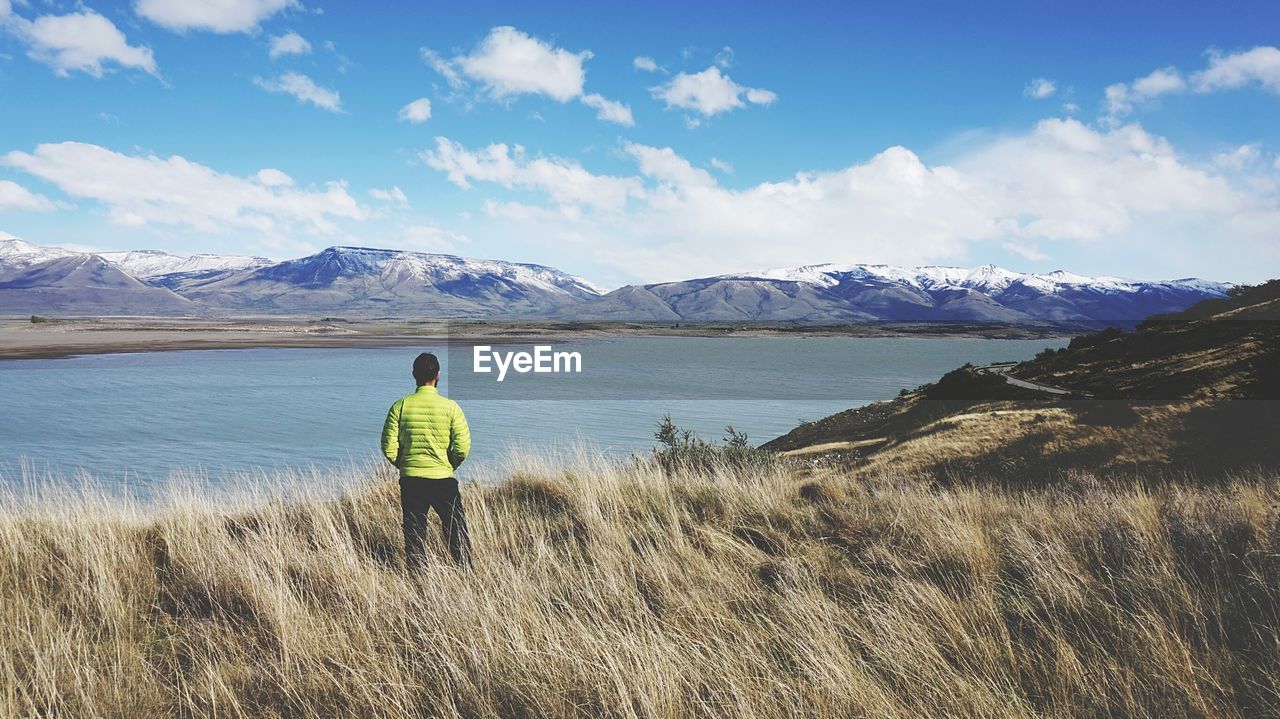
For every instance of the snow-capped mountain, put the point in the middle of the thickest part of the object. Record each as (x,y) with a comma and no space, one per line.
(362,281)
(348,280)
(20,253)
(142,264)
(398,266)
(368,280)
(82,284)
(878,293)
(146,264)
(987,279)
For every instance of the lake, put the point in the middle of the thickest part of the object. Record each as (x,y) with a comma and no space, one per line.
(134,418)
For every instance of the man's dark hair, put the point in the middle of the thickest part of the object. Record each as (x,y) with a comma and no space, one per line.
(425,368)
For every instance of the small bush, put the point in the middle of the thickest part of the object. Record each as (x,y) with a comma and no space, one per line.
(682,449)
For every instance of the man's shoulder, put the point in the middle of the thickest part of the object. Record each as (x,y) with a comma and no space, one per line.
(452,405)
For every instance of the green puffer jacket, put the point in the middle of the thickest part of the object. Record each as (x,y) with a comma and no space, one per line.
(426,435)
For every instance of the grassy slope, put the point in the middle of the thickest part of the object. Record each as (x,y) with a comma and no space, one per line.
(620,591)
(1195,391)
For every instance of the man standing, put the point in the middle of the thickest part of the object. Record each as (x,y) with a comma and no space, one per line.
(426,438)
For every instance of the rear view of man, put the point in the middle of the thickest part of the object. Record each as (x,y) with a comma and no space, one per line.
(426,438)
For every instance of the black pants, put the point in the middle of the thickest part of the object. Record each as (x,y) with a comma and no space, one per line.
(418,497)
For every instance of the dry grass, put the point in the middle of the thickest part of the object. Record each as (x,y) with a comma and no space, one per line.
(611,590)
(996,434)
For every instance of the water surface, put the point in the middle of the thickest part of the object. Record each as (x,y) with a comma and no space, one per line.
(134,418)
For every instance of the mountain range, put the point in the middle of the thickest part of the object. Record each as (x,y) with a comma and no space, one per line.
(876,293)
(361,281)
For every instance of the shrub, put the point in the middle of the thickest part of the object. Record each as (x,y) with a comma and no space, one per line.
(682,449)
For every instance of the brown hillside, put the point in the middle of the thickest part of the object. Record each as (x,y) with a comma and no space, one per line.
(1196,391)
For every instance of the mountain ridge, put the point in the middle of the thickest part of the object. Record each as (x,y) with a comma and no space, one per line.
(386,282)
(879,293)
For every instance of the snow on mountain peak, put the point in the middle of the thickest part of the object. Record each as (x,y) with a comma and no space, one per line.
(988,279)
(15,252)
(154,263)
(442,267)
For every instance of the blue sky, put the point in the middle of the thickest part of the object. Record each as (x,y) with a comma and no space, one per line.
(653,141)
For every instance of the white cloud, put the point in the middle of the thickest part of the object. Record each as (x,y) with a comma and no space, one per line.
(220,16)
(273,178)
(1027,252)
(1070,108)
(508,63)
(290,43)
(1040,88)
(709,93)
(1067,181)
(758,96)
(1239,158)
(304,89)
(1121,191)
(665,166)
(608,110)
(174,191)
(16,198)
(1121,98)
(1228,72)
(77,42)
(724,58)
(416,112)
(721,165)
(645,63)
(1159,82)
(344,62)
(394,196)
(1261,65)
(445,67)
(521,212)
(563,180)
(430,238)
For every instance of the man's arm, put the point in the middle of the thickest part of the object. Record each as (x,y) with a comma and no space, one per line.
(391,433)
(459,437)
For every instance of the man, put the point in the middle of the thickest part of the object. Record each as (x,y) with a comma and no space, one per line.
(426,438)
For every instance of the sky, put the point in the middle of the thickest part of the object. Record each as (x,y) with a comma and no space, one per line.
(643,142)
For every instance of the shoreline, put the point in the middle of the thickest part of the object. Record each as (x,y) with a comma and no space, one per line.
(21,339)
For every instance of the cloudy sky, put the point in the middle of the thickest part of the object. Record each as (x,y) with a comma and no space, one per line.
(654,141)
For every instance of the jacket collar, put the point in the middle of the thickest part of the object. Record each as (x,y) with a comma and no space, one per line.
(429,389)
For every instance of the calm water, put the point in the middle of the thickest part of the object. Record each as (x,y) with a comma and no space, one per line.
(135,417)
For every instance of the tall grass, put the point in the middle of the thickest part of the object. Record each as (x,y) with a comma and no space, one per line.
(630,589)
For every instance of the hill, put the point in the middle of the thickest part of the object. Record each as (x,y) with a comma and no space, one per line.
(1189,391)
